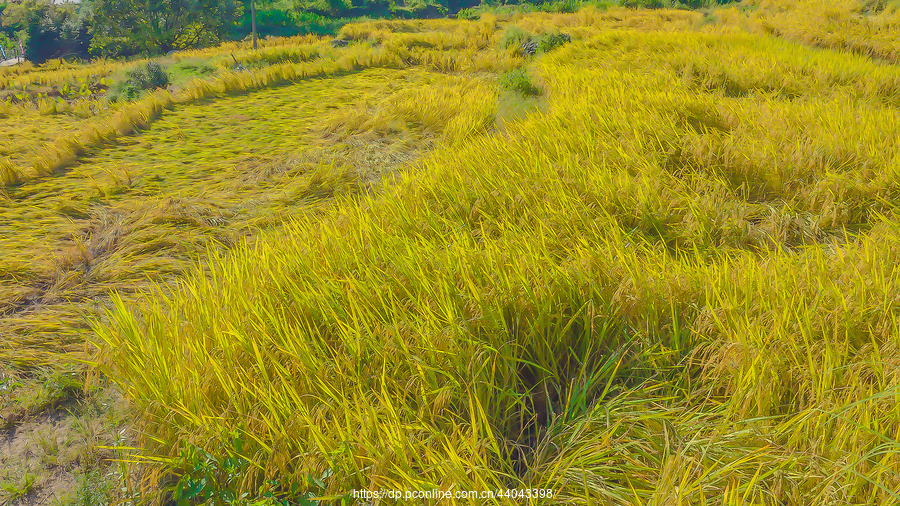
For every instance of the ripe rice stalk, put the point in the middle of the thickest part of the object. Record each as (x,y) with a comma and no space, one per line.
(10,175)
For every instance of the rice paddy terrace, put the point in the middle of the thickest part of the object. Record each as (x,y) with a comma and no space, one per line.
(204,172)
(653,263)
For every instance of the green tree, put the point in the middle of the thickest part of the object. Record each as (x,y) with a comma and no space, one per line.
(158,26)
(274,18)
(47,29)
(380,8)
(16,19)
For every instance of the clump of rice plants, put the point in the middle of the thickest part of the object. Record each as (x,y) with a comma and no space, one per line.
(9,173)
(696,236)
(859,26)
(672,285)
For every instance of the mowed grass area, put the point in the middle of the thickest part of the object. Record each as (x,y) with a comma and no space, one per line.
(668,279)
(677,285)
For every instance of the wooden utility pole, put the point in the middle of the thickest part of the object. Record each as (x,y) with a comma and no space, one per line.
(253,20)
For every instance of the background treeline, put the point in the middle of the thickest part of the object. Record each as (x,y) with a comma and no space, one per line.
(46,30)
(121,28)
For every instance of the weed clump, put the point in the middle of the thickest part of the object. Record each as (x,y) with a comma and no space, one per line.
(553,41)
(646,4)
(566,6)
(469,14)
(186,69)
(141,79)
(518,81)
(531,46)
(673,4)
(514,37)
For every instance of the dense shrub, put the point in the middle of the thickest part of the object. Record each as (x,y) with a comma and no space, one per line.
(159,27)
(514,37)
(469,13)
(648,4)
(518,81)
(673,4)
(531,46)
(49,41)
(273,21)
(309,23)
(552,41)
(562,6)
(147,77)
(114,46)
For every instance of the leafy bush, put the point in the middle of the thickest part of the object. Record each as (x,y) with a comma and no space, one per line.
(513,37)
(159,27)
(469,13)
(562,6)
(555,6)
(114,46)
(141,79)
(518,80)
(553,41)
(673,4)
(149,77)
(273,21)
(648,4)
(310,23)
(209,479)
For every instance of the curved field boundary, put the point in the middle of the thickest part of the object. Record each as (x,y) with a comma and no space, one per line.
(140,114)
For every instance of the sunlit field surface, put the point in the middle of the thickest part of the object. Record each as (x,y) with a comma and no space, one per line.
(211,171)
(663,272)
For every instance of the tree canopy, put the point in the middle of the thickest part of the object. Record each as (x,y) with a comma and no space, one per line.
(47,29)
(387,8)
(159,26)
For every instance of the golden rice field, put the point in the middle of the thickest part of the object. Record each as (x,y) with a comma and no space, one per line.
(209,172)
(669,279)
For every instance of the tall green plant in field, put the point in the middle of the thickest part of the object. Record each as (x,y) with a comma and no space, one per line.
(144,78)
(518,80)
